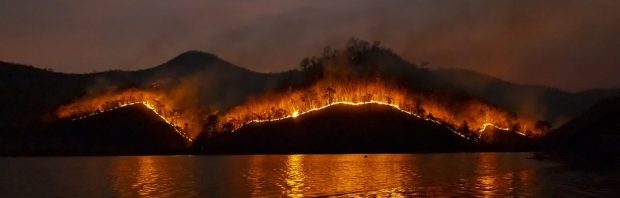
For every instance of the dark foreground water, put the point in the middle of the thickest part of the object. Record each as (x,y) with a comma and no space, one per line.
(460,174)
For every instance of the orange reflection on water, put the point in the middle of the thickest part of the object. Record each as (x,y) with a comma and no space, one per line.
(256,174)
(153,176)
(345,175)
(147,177)
(137,176)
(377,175)
(294,176)
(493,181)
(486,183)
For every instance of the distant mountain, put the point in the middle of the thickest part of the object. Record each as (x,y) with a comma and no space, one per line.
(595,132)
(540,102)
(30,94)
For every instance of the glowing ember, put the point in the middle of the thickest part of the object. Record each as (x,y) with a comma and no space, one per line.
(295,114)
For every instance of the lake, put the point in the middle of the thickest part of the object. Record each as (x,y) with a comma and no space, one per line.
(346,175)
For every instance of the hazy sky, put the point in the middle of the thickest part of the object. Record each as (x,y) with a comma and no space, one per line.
(570,44)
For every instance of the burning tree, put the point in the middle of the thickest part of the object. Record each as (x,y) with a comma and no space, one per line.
(329,95)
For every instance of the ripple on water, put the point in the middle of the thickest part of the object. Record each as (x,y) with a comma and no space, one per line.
(380,175)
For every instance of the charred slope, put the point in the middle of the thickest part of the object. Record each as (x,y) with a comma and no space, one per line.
(339,129)
(129,130)
(595,132)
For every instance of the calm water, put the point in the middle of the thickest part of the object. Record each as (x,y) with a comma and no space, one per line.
(467,174)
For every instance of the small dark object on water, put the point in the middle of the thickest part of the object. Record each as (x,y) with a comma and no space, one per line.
(365,156)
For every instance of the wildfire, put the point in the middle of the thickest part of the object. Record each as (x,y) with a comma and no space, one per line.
(467,115)
(468,118)
(185,124)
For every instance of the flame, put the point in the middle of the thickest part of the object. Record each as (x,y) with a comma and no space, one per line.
(185,124)
(468,118)
(460,116)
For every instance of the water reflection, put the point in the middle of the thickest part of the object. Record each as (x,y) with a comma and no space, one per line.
(486,182)
(482,175)
(256,174)
(294,176)
(377,175)
(506,177)
(148,176)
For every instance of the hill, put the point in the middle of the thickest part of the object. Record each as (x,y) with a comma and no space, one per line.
(370,128)
(130,130)
(595,132)
(31,96)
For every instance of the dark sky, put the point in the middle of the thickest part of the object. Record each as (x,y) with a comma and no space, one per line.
(570,44)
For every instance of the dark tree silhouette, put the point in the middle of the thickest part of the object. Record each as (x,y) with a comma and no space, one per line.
(328,52)
(543,125)
(228,126)
(329,94)
(211,124)
(464,129)
(305,64)
(516,127)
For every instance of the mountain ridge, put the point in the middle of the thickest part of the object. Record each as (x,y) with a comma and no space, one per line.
(34,95)
(506,94)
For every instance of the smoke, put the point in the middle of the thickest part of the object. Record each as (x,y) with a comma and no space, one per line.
(567,44)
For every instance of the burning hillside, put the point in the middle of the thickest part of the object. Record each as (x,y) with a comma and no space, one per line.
(342,128)
(184,121)
(361,74)
(468,115)
(464,117)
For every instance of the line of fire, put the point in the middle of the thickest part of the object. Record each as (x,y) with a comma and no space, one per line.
(347,77)
(468,118)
